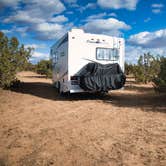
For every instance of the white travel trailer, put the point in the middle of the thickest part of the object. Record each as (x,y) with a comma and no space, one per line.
(76,49)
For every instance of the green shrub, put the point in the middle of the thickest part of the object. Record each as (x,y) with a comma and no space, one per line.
(13,58)
(129,68)
(146,69)
(44,67)
(30,67)
(160,79)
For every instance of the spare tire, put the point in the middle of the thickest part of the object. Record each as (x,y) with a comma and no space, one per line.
(99,77)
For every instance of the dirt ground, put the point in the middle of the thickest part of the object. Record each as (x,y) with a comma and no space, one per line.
(40,128)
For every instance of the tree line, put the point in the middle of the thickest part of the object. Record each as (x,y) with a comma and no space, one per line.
(149,68)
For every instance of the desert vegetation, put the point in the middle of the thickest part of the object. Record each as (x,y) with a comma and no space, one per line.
(149,68)
(13,58)
(44,67)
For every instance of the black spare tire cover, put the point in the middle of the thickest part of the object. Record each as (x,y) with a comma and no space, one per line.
(99,77)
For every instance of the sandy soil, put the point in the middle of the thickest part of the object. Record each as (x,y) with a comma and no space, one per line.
(40,128)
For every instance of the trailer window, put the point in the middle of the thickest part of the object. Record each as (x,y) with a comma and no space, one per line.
(109,54)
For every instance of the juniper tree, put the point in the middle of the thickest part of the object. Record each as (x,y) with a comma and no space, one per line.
(147,68)
(160,79)
(13,58)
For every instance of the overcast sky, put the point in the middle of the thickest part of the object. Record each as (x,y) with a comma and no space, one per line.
(39,23)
